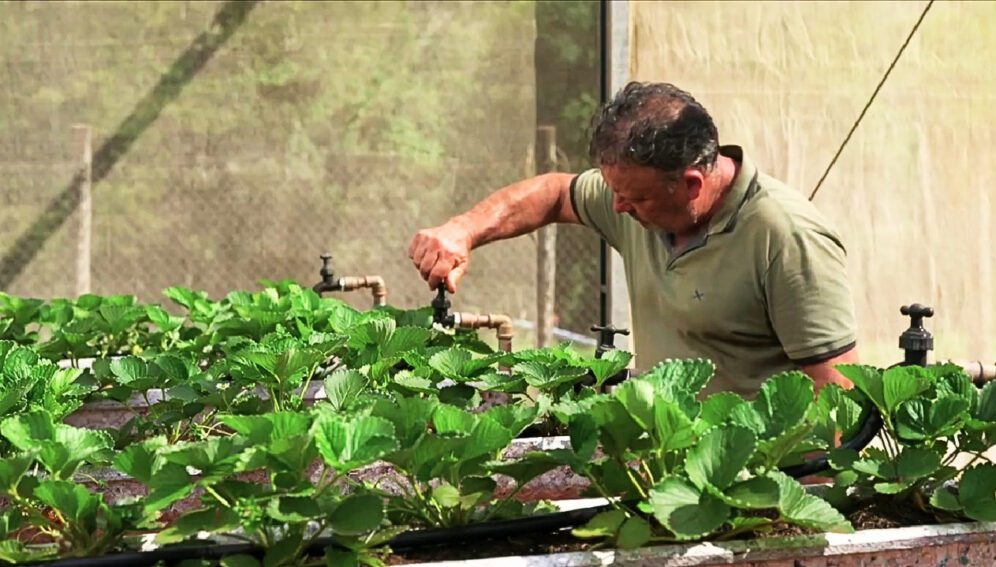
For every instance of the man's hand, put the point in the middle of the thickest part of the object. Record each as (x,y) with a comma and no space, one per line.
(441,254)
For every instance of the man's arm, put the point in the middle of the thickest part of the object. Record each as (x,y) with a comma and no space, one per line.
(442,253)
(824,373)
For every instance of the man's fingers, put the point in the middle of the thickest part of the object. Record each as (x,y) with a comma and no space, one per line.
(440,272)
(427,263)
(455,275)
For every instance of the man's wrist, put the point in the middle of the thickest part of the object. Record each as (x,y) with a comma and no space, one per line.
(467,228)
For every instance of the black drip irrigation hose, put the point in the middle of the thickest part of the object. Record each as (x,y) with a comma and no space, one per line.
(545,523)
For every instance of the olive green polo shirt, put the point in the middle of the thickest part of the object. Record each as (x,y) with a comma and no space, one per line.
(763,289)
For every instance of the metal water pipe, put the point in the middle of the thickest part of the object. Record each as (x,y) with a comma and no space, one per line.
(349,283)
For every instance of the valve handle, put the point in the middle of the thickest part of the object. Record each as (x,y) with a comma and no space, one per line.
(916,341)
(327,270)
(441,307)
(607,338)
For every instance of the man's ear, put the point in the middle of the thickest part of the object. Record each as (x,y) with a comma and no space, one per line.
(693,180)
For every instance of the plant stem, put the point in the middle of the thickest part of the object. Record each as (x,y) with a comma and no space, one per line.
(636,483)
(213,492)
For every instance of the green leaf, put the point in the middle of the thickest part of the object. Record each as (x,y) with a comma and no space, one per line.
(418,384)
(446,495)
(868,380)
(673,428)
(293,509)
(73,501)
(211,520)
(806,510)
(450,362)
(487,436)
(902,383)
(837,411)
(688,513)
(977,492)
(634,533)
(945,500)
(584,434)
(637,397)
(129,369)
(342,387)
(987,403)
(347,444)
(609,365)
(137,460)
(162,319)
(532,465)
(842,459)
(405,339)
(13,551)
(604,524)
(684,375)
(25,430)
(783,402)
(168,484)
(452,420)
(717,408)
(719,456)
(410,416)
(917,462)
(357,514)
(754,493)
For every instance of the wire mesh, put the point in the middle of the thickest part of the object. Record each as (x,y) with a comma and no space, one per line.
(316,127)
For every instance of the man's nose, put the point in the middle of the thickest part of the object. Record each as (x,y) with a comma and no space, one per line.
(619,205)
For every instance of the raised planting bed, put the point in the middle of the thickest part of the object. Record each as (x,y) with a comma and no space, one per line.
(960,544)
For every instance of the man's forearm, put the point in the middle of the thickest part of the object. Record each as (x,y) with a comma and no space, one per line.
(518,209)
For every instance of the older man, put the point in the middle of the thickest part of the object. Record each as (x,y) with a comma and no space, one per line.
(722,261)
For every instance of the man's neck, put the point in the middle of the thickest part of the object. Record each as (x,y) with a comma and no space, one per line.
(718,185)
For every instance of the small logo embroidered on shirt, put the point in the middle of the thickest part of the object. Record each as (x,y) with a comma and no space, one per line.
(698,295)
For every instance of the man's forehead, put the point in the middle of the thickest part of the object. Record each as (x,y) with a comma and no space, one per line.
(626,179)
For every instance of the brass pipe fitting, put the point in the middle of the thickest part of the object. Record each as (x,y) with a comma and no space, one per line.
(375,283)
(501,323)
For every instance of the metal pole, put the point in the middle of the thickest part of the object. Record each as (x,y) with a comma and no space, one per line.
(85,231)
(546,256)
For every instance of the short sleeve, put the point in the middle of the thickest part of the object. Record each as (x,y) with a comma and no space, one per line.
(809,297)
(591,199)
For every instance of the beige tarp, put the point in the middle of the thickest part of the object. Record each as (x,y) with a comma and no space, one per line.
(913,191)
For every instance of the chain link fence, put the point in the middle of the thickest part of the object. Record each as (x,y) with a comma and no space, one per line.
(310,128)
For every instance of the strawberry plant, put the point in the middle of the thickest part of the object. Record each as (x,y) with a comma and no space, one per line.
(686,469)
(932,417)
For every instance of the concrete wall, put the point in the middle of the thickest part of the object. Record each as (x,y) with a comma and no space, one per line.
(913,192)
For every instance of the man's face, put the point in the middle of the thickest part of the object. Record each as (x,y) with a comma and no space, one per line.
(654,199)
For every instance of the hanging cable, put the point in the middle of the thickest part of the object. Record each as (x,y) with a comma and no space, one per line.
(872,99)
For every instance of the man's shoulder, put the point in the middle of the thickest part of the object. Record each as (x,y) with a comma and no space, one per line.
(783,211)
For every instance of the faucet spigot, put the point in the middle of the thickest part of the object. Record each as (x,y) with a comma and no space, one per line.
(607,338)
(329,281)
(916,341)
(441,308)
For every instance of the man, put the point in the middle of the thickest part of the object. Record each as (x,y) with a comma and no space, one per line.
(722,262)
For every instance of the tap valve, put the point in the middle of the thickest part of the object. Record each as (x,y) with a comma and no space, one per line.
(607,338)
(441,308)
(329,281)
(916,341)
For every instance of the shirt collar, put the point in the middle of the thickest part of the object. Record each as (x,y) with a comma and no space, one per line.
(742,189)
